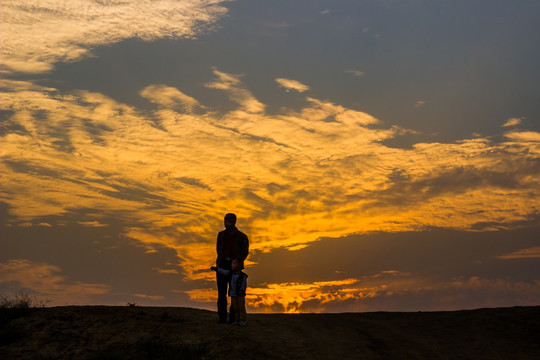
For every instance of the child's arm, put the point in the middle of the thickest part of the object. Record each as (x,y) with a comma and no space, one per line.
(220,270)
(243,288)
(223,271)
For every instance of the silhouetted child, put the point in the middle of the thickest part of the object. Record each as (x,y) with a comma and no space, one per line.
(237,290)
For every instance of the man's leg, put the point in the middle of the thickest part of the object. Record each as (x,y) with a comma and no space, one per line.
(222,283)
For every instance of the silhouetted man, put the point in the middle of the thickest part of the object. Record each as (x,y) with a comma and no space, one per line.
(231,244)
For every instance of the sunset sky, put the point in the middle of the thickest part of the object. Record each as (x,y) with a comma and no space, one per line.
(379,154)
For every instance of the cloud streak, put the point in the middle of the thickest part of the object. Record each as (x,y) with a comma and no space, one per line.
(357,73)
(292,85)
(531,253)
(419,103)
(512,122)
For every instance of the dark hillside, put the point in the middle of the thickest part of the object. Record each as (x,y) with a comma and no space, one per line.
(100,332)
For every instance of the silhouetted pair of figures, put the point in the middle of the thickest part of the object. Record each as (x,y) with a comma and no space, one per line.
(232,248)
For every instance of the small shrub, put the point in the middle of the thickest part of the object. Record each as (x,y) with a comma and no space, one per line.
(21,300)
(14,307)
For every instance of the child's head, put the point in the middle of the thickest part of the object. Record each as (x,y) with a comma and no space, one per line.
(236,265)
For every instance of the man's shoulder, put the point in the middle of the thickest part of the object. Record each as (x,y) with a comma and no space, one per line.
(240,234)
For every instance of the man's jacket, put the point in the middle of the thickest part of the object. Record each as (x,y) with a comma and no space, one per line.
(240,247)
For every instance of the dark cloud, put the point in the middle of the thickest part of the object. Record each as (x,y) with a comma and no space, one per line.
(96,255)
(122,189)
(274,188)
(435,269)
(27,167)
(439,253)
(464,293)
(193,182)
(404,190)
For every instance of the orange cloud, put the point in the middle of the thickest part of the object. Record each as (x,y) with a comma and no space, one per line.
(530,253)
(293,177)
(377,292)
(150,297)
(91,223)
(289,297)
(166,271)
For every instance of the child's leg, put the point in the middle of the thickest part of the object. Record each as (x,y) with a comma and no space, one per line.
(235,307)
(241,312)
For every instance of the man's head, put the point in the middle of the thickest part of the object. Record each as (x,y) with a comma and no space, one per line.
(230,220)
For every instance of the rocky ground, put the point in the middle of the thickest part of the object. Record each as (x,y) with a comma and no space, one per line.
(104,332)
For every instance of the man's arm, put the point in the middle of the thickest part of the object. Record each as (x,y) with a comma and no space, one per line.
(218,248)
(245,247)
(218,244)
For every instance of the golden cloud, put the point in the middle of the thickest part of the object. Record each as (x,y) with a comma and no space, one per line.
(169,97)
(524,136)
(321,171)
(376,292)
(512,122)
(289,84)
(289,297)
(36,34)
(232,84)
